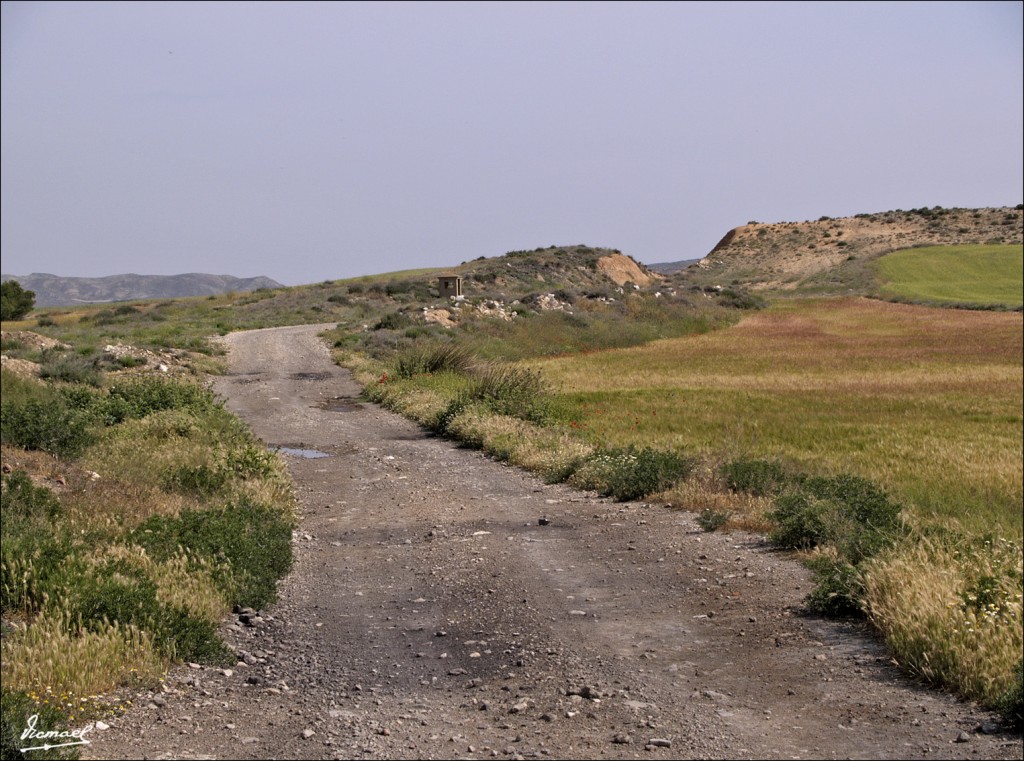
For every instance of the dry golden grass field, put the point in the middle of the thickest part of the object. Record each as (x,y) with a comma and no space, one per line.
(926,402)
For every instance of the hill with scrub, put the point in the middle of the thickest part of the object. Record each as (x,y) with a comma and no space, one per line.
(832,255)
(879,440)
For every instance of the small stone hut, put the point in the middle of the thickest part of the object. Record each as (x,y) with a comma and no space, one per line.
(449,285)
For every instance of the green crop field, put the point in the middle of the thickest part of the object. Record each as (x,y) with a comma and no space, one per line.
(980,275)
(925,401)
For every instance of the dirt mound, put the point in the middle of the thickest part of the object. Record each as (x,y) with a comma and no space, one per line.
(20,367)
(31,340)
(621,270)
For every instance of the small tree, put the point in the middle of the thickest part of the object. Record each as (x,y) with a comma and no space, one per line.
(15,302)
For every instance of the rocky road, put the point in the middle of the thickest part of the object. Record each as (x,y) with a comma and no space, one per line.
(444,605)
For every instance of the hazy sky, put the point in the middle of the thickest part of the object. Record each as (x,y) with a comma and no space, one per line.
(317,141)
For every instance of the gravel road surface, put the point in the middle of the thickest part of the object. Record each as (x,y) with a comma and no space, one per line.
(444,605)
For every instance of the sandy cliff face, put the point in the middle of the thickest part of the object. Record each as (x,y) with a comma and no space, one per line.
(785,254)
(621,270)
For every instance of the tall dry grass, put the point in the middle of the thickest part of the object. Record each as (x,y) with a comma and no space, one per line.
(56,661)
(952,613)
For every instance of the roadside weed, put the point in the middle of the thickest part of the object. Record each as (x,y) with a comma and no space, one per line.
(951,611)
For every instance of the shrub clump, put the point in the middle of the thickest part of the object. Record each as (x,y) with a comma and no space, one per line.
(845,511)
(436,359)
(254,542)
(46,425)
(501,389)
(139,397)
(70,368)
(118,589)
(201,480)
(631,473)
(393,321)
(838,588)
(847,514)
(510,390)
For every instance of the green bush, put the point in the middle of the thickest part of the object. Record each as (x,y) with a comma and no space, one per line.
(113,591)
(36,560)
(253,539)
(250,461)
(14,348)
(139,397)
(510,390)
(758,477)
(393,321)
(868,521)
(17,389)
(49,426)
(129,361)
(801,521)
(738,298)
(82,398)
(15,301)
(452,410)
(845,511)
(498,387)
(20,499)
(630,473)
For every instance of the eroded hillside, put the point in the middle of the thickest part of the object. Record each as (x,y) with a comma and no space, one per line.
(518,273)
(829,254)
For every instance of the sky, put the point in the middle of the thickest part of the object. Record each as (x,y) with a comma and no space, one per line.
(318,141)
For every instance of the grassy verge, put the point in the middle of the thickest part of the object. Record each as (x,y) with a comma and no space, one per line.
(136,513)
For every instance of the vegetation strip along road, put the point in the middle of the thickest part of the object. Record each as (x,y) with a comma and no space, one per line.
(446,605)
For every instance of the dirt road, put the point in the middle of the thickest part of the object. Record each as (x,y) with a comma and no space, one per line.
(446,606)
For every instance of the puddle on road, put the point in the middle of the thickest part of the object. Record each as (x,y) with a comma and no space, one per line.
(340,404)
(310,376)
(309,454)
(245,377)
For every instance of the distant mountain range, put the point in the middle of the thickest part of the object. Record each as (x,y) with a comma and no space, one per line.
(669,268)
(54,291)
